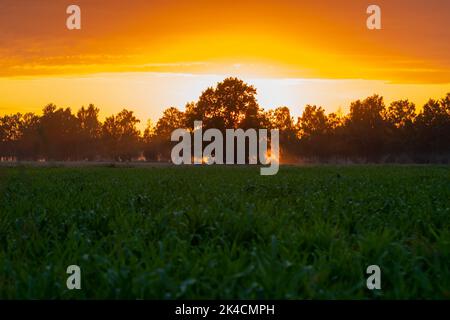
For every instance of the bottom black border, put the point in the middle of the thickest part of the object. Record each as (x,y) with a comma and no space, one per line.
(155,309)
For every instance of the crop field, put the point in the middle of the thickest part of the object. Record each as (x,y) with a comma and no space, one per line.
(225,232)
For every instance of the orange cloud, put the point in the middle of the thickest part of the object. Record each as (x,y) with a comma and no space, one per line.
(312,39)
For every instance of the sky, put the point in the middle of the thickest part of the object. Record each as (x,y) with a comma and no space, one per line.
(149,55)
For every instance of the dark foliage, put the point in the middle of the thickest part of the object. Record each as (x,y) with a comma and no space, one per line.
(370,132)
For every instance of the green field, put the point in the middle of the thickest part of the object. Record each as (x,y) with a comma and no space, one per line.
(225,232)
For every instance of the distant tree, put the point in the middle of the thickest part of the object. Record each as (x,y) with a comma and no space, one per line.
(149,131)
(149,142)
(121,136)
(10,134)
(369,131)
(312,122)
(336,145)
(281,119)
(312,128)
(435,113)
(366,128)
(161,144)
(401,113)
(58,129)
(335,121)
(171,119)
(89,134)
(445,103)
(433,127)
(30,145)
(400,117)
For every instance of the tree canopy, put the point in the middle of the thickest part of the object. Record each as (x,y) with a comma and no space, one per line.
(371,131)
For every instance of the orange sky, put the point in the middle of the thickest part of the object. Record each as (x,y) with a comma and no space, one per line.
(147,55)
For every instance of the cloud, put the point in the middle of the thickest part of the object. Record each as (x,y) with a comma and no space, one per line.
(285,38)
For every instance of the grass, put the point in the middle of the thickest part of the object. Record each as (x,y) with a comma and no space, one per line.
(225,232)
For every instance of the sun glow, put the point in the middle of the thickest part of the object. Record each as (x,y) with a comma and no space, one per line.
(154,54)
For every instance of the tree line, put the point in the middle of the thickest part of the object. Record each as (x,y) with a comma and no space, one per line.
(370,132)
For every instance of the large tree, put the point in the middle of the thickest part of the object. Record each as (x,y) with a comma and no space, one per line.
(230,105)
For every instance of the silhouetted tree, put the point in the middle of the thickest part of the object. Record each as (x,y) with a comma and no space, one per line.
(401,113)
(400,117)
(312,129)
(9,135)
(149,142)
(231,105)
(281,119)
(58,129)
(367,128)
(370,131)
(120,136)
(89,134)
(30,144)
(160,144)
(433,127)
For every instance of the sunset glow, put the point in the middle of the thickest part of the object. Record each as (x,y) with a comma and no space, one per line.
(148,55)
